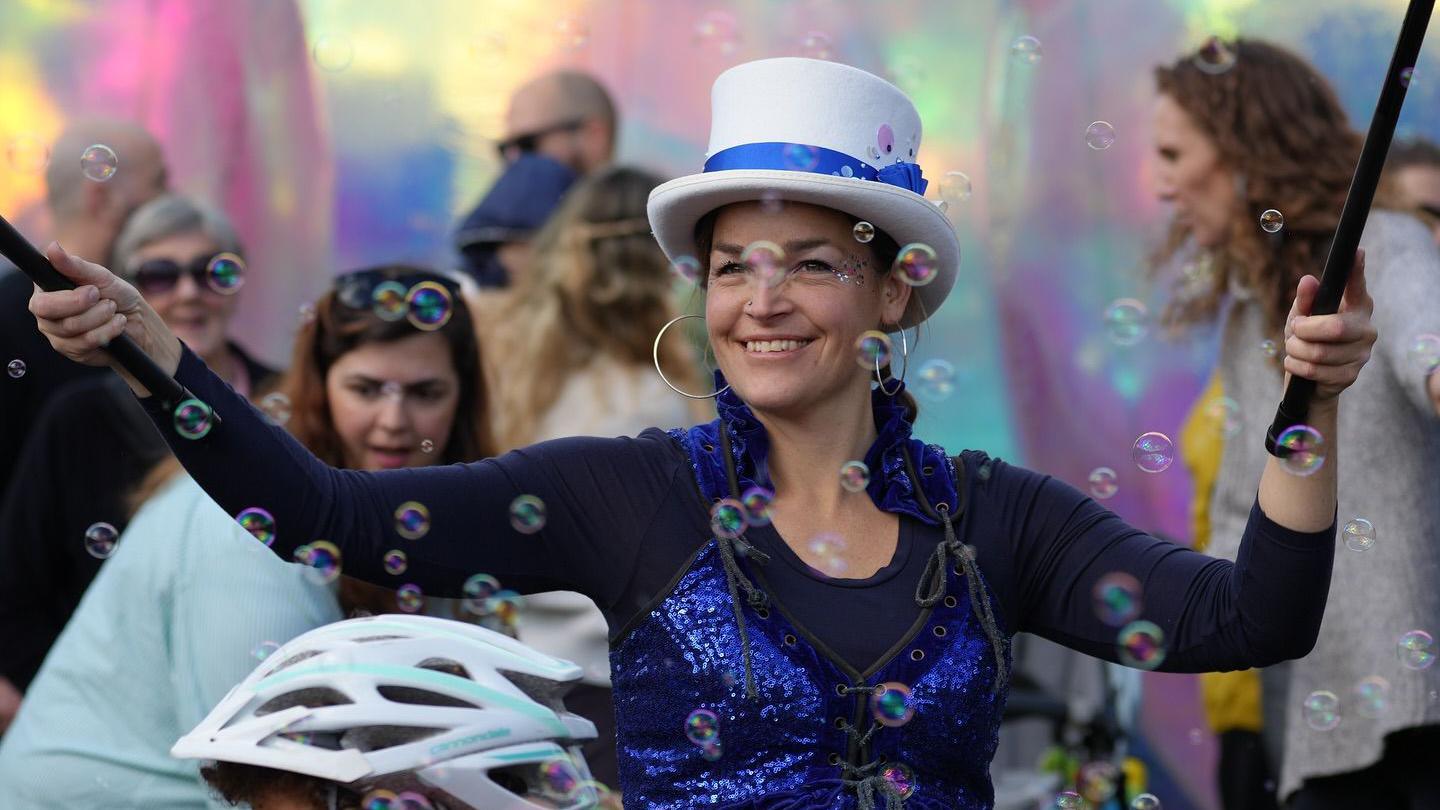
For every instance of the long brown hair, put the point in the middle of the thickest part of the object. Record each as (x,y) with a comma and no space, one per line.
(336,329)
(598,286)
(1277,123)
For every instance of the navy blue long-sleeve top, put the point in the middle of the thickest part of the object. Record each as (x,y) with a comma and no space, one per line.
(624,515)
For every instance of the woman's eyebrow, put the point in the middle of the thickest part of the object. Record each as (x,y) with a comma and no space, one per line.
(793,246)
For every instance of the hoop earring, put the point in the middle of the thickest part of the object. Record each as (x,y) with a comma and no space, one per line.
(655,355)
(904,365)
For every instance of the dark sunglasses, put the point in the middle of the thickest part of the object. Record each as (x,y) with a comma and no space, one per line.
(222,273)
(512,148)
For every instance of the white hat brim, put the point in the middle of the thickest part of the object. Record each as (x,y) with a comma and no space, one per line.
(675,208)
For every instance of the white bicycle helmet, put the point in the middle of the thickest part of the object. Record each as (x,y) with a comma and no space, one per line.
(464,714)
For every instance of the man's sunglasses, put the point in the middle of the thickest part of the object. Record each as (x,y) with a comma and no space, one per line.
(221,273)
(512,148)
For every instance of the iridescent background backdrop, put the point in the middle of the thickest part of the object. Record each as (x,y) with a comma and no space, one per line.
(346,132)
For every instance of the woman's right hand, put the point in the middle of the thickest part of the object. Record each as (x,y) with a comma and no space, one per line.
(80,323)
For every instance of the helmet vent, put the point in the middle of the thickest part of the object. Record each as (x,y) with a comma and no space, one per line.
(293,660)
(375,738)
(546,692)
(446,665)
(421,697)
(311,698)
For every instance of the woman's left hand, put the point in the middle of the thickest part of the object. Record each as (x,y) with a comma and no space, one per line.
(1330,349)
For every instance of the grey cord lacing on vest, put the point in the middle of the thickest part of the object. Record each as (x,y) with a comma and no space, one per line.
(931,589)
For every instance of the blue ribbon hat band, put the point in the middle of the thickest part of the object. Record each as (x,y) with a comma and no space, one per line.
(799,157)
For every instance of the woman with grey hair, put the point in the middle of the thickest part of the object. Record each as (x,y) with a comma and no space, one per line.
(185,260)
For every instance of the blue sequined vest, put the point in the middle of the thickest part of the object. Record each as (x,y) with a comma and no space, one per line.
(807,738)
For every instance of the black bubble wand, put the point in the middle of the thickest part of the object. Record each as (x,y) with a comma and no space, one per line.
(1295,406)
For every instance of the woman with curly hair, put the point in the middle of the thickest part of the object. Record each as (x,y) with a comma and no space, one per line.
(1256,155)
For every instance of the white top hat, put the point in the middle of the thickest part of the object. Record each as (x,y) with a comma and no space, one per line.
(817,132)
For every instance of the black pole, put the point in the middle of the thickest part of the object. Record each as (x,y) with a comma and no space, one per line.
(33,263)
(1295,406)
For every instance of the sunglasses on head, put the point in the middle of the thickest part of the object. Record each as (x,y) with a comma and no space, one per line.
(222,273)
(426,299)
(512,148)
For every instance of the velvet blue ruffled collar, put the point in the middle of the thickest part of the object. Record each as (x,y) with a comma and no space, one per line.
(891,487)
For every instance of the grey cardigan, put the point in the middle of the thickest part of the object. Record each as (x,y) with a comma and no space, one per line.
(1388,454)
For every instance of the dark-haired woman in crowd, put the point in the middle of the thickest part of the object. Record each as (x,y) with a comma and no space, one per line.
(189,600)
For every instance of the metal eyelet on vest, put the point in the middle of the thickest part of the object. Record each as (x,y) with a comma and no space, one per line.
(958,570)
(939,631)
(790,639)
(917,655)
(951,601)
(709,448)
(927,470)
(942,507)
(840,689)
(763,613)
(833,759)
(840,723)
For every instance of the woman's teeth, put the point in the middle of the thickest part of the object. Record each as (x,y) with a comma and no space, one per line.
(774,345)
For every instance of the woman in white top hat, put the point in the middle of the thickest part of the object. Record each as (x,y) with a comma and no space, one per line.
(808,607)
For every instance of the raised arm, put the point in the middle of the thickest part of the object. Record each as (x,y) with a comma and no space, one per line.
(598,493)
(1264,608)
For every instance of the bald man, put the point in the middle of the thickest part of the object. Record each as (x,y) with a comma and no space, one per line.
(87,217)
(566,116)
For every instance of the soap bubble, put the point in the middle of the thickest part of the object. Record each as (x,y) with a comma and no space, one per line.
(1359,534)
(1118,598)
(389,301)
(827,549)
(916,263)
(1103,483)
(412,520)
(1406,75)
(427,446)
(527,514)
(16,369)
(100,540)
(718,30)
(225,274)
(1416,649)
(276,407)
(1126,321)
(430,306)
(892,704)
(1424,353)
(477,592)
(193,419)
(571,34)
(1215,57)
(799,157)
(766,260)
(727,518)
(1269,348)
(409,598)
(259,523)
(817,45)
(263,650)
(333,52)
(1306,449)
(1153,452)
(854,476)
(935,380)
(872,350)
(559,779)
(99,163)
(863,232)
(322,561)
(1226,411)
(1322,710)
(1145,801)
(1100,135)
(1372,697)
(395,562)
(757,505)
(900,779)
(702,726)
(687,268)
(1271,221)
(1027,49)
(1142,645)
(955,187)
(380,800)
(1097,781)
(1069,800)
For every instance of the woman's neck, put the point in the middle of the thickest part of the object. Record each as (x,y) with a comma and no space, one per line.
(807,450)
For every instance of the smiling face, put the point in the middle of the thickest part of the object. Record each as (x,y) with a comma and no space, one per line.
(195,313)
(387,398)
(1190,175)
(789,346)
